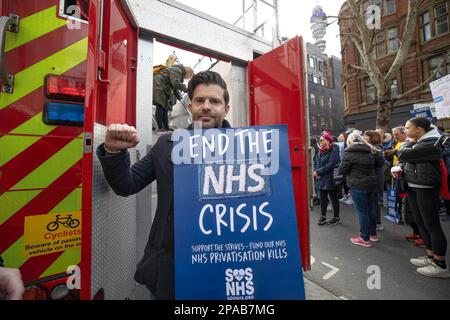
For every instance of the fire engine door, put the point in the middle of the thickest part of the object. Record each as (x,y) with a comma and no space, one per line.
(108,252)
(277,96)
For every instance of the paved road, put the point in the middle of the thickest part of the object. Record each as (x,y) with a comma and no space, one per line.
(331,249)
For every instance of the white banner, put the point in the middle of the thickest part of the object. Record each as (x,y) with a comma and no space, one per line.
(440,89)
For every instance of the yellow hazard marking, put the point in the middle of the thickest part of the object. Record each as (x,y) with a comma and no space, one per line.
(68,258)
(14,254)
(50,233)
(33,27)
(11,202)
(71,203)
(34,126)
(53,168)
(32,78)
(11,146)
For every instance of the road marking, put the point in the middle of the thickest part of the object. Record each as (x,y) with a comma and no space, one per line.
(333,271)
(313,260)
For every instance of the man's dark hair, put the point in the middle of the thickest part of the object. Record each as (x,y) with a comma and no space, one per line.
(208,78)
(421,122)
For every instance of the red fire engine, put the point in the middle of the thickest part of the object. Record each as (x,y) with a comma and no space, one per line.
(68,69)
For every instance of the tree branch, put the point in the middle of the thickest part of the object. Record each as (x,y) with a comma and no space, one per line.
(402,54)
(431,78)
(358,67)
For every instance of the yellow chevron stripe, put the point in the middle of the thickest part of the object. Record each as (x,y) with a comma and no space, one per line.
(14,254)
(34,126)
(32,78)
(53,168)
(11,146)
(71,203)
(17,200)
(68,258)
(33,27)
(11,202)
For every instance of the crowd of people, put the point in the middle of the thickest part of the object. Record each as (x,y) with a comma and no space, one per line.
(411,163)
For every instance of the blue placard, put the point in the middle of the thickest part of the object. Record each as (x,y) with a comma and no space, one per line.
(393,208)
(424,112)
(235,224)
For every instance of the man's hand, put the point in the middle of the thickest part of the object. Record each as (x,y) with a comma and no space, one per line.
(11,285)
(120,137)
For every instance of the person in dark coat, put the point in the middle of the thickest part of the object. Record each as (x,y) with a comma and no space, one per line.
(166,85)
(209,106)
(326,160)
(359,164)
(374,138)
(420,162)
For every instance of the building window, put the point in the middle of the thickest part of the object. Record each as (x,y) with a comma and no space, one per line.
(311,62)
(313,99)
(433,64)
(316,79)
(331,124)
(448,63)
(314,121)
(393,40)
(323,122)
(370,91)
(329,102)
(390,6)
(323,82)
(394,89)
(441,16)
(322,101)
(425,26)
(320,65)
(380,44)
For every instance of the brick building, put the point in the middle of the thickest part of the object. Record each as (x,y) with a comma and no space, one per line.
(429,47)
(325,98)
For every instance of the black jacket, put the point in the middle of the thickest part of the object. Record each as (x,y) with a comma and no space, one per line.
(156,270)
(324,164)
(358,165)
(422,161)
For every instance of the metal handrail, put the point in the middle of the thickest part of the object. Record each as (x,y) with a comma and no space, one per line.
(11,24)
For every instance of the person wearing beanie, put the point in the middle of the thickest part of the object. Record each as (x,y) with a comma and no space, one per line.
(327,159)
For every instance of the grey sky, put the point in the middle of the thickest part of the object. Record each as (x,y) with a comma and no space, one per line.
(294,20)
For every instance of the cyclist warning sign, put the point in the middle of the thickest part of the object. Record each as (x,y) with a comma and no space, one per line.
(49,233)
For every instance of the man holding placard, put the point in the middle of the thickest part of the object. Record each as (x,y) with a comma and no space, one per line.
(172,169)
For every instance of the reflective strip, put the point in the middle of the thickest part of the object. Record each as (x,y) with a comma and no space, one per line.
(11,202)
(33,27)
(11,146)
(53,168)
(68,258)
(14,254)
(71,203)
(32,78)
(34,126)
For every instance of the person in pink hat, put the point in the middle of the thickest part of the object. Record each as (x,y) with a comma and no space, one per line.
(326,160)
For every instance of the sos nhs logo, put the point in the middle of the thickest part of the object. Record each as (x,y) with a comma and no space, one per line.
(239,284)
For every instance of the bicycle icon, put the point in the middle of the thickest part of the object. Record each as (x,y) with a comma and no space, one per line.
(67,222)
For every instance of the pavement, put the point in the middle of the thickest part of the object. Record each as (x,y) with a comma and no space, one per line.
(341,270)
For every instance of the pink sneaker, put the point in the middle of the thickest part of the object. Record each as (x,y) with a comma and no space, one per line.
(360,242)
(374,239)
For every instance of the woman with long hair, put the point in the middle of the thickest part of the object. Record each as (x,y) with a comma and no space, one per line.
(420,163)
(374,138)
(359,163)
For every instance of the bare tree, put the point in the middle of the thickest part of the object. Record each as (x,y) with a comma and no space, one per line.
(363,38)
